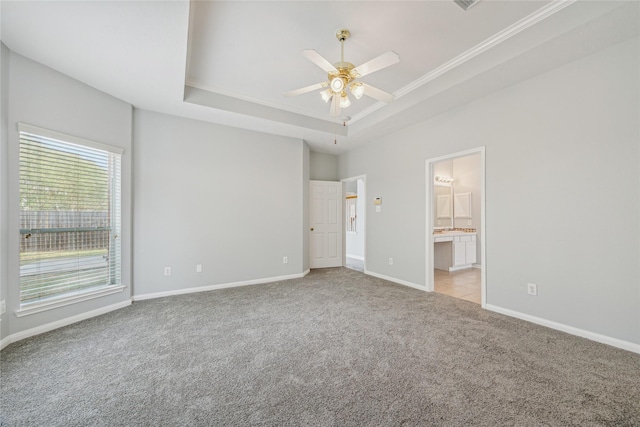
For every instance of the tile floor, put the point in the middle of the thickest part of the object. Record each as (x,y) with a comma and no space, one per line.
(463,284)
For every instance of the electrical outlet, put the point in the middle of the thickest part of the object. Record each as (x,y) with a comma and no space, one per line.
(167,271)
(285,260)
(199,268)
(390,261)
(3,307)
(469,222)
(532,289)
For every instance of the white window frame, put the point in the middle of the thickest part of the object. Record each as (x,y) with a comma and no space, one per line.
(90,293)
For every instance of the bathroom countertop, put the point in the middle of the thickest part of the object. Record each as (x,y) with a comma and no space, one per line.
(455,232)
(447,236)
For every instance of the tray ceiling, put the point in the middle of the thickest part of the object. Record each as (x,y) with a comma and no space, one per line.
(230,62)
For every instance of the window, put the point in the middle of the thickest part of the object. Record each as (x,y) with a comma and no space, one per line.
(69,218)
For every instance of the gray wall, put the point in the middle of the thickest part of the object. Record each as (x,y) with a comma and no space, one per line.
(229,199)
(42,97)
(562,153)
(323,167)
(4,195)
(306,173)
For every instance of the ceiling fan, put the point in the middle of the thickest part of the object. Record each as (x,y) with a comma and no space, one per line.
(343,75)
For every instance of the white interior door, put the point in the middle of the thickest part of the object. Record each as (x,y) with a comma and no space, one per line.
(325,237)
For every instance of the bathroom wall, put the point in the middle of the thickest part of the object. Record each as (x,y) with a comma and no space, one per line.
(468,179)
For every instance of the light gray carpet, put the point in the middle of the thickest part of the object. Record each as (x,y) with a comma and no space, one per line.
(355,264)
(336,348)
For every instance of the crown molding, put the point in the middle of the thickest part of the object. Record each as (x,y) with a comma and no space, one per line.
(512,30)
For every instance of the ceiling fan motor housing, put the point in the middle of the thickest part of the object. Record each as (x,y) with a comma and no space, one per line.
(345,73)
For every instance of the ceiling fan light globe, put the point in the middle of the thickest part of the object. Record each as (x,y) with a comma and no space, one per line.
(326,95)
(357,89)
(344,100)
(337,85)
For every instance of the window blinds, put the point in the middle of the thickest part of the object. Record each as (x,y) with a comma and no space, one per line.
(69,215)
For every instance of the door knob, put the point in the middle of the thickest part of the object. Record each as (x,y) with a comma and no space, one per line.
(312,229)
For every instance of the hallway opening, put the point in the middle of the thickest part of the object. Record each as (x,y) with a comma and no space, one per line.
(354,222)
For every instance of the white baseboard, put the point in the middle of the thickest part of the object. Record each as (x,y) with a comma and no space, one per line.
(60,323)
(5,342)
(615,342)
(394,280)
(215,287)
(460,267)
(358,257)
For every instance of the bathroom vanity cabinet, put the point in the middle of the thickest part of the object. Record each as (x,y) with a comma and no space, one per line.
(454,250)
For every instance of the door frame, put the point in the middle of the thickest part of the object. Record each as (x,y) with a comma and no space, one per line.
(429,249)
(364,220)
(338,260)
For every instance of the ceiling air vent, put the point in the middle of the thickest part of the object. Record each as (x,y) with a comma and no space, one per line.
(466,4)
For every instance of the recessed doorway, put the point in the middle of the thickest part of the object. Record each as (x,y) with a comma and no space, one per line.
(354,222)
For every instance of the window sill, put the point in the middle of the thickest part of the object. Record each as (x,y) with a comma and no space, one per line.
(38,307)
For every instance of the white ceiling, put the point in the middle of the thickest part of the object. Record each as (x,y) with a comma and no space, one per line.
(230,62)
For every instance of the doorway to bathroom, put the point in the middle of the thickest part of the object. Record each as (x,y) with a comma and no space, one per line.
(455,224)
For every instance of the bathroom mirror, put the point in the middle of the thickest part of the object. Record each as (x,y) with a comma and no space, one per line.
(443,215)
(462,205)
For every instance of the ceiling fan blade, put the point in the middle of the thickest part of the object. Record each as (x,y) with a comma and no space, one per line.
(319,60)
(335,106)
(307,89)
(378,94)
(377,63)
